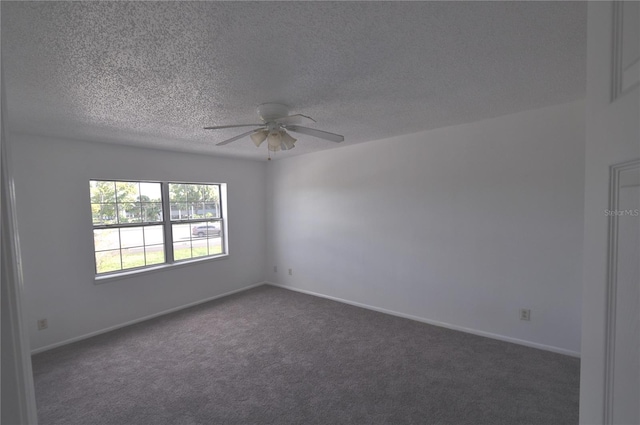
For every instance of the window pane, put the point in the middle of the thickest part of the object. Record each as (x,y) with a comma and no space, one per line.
(196,209)
(179,211)
(122,213)
(134,212)
(150,192)
(108,261)
(129,213)
(194,192)
(199,233)
(131,236)
(215,246)
(203,209)
(181,232)
(132,257)
(127,192)
(103,213)
(177,193)
(212,210)
(205,229)
(187,211)
(211,192)
(102,192)
(154,254)
(217,225)
(153,235)
(151,212)
(182,250)
(181,241)
(106,239)
(96,213)
(199,248)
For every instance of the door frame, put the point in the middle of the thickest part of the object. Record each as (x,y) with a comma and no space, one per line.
(615,172)
(15,337)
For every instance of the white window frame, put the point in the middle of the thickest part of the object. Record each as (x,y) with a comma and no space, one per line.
(166,223)
(169,221)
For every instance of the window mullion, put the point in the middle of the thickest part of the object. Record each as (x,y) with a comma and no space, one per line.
(168,231)
(144,244)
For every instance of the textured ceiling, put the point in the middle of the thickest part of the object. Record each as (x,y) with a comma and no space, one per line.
(154,73)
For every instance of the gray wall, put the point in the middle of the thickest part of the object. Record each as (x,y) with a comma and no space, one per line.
(460,226)
(54,223)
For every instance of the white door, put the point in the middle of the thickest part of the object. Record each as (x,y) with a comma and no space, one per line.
(610,355)
(623,357)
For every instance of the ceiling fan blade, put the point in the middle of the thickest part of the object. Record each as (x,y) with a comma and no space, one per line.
(292,118)
(332,137)
(233,139)
(218,127)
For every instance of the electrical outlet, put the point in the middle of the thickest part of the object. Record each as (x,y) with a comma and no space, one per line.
(290,272)
(275,269)
(525,314)
(42,324)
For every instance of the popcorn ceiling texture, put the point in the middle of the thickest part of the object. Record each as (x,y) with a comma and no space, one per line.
(152,74)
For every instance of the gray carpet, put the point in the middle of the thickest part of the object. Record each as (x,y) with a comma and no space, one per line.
(272,356)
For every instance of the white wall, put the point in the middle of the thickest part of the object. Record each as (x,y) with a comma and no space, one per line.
(462,225)
(613,136)
(54,221)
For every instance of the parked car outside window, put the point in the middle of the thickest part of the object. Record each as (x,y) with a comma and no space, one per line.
(203,230)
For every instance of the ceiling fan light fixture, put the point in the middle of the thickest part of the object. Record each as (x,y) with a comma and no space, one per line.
(274,140)
(288,142)
(259,136)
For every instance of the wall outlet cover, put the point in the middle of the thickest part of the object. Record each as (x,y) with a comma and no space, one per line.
(42,324)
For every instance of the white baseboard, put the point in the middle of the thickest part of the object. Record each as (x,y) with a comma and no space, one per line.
(142,319)
(341,300)
(435,322)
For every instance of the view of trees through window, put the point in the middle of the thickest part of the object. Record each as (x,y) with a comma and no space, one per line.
(129,223)
(125,202)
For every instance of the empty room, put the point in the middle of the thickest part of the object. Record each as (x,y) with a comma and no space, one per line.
(320,212)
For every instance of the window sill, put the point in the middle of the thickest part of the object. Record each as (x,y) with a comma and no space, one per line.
(139,272)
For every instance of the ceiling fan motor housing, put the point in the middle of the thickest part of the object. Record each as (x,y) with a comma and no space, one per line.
(272,111)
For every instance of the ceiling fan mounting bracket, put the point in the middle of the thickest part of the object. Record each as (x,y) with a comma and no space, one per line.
(272,111)
(273,127)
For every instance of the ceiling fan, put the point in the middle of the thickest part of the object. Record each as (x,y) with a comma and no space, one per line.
(275,124)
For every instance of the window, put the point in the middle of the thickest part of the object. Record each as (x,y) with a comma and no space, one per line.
(132,229)
(191,205)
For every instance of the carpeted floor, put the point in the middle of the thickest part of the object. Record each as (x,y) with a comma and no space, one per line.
(272,356)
